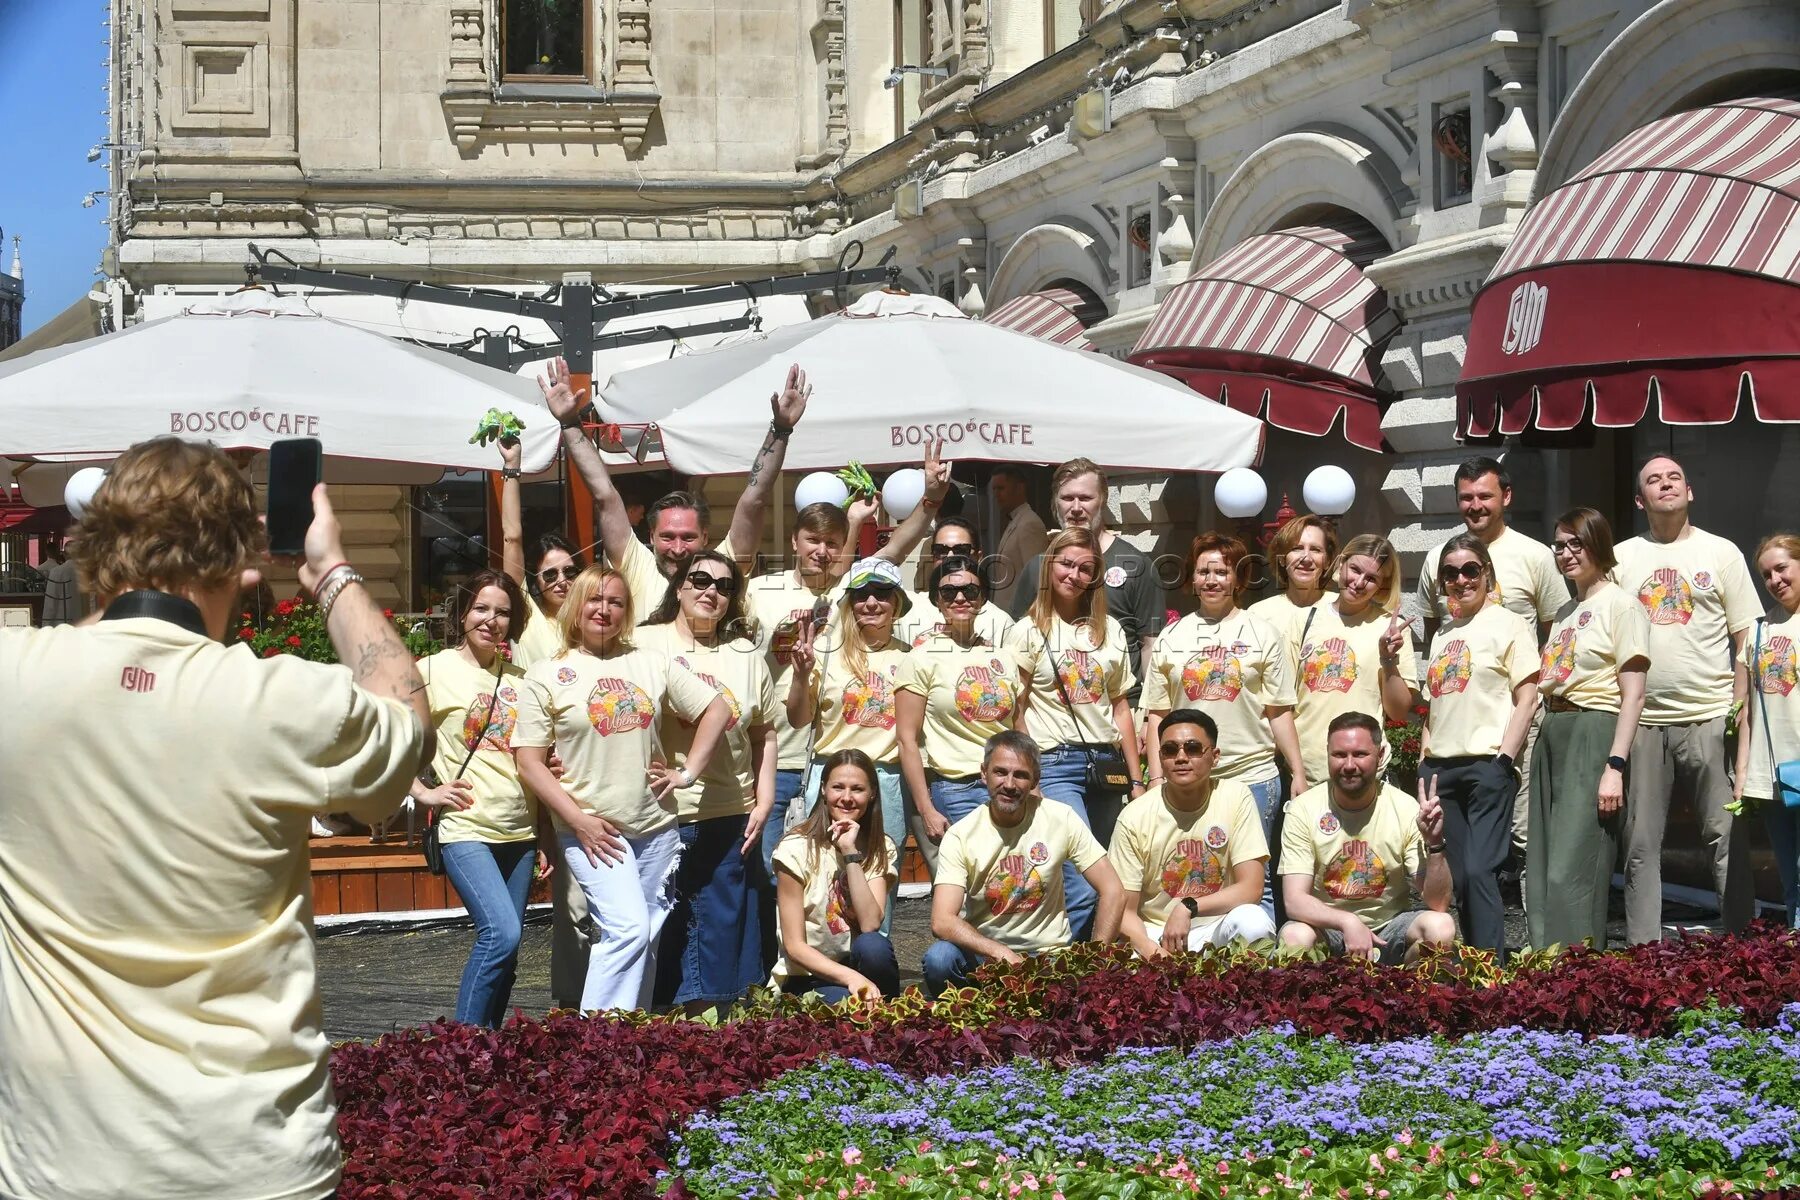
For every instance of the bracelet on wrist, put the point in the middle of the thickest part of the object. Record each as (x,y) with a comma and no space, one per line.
(779,430)
(510,473)
(328,595)
(1437,849)
(928,502)
(319,583)
(854,856)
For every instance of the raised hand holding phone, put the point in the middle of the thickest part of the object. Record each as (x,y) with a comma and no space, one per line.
(296,467)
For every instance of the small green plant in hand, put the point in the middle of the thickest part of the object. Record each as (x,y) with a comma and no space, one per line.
(497,426)
(856,477)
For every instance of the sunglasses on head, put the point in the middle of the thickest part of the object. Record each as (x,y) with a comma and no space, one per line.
(722,584)
(1470,571)
(550,575)
(965,550)
(959,591)
(881,590)
(1192,749)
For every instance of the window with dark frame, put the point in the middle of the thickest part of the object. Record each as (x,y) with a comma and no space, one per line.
(546,40)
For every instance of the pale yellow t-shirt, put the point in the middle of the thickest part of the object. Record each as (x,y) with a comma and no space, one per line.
(542,637)
(924,621)
(1093,676)
(1529,583)
(1232,670)
(645,579)
(1012,876)
(1164,855)
(1360,862)
(459,693)
(1696,592)
(1339,671)
(1288,620)
(738,672)
(970,695)
(778,604)
(602,717)
(824,901)
(1589,641)
(857,712)
(1775,672)
(1474,666)
(160,1031)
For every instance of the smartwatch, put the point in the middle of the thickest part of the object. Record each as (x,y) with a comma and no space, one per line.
(1187,902)
(1616,763)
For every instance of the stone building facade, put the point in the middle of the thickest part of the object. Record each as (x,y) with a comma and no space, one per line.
(12,298)
(1001,146)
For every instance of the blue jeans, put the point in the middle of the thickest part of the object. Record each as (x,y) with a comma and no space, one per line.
(871,956)
(1784,837)
(957,798)
(1064,778)
(493,879)
(1267,795)
(712,944)
(787,786)
(948,965)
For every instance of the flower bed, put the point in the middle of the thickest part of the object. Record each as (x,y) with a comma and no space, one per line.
(574,1107)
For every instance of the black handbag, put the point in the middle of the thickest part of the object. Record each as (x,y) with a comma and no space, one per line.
(429,845)
(1106,770)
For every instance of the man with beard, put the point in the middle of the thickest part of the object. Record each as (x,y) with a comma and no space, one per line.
(1353,851)
(999,888)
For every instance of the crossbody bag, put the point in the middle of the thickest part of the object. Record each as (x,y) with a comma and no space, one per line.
(1106,773)
(429,843)
(1784,775)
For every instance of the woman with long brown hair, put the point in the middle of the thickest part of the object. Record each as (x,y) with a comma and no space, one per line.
(1075,665)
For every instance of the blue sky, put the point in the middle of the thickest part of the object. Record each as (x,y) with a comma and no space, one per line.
(51,79)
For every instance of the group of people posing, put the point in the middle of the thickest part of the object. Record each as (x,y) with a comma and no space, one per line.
(719,772)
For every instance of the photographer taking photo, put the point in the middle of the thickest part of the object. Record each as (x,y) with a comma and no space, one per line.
(159,1012)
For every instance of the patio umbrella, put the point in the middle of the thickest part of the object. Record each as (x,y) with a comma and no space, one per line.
(894,370)
(254,368)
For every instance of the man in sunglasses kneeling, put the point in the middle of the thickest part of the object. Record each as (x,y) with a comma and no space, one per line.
(1190,852)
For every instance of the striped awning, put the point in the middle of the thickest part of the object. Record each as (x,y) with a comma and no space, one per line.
(1284,326)
(1665,274)
(1052,314)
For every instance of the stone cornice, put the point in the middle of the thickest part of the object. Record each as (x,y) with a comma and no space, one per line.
(1442,275)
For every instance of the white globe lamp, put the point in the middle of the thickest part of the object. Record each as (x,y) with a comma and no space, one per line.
(821,487)
(1329,491)
(1240,493)
(78,493)
(902,493)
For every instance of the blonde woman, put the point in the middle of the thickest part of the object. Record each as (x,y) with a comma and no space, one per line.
(1356,652)
(598,704)
(1075,665)
(1769,730)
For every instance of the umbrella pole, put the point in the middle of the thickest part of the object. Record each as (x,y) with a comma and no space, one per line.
(578,500)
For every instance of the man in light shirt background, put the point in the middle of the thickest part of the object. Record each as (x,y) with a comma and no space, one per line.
(1023,538)
(1696,589)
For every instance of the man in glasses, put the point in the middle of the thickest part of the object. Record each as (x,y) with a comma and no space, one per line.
(1024,537)
(954,537)
(1354,850)
(1696,589)
(999,885)
(1190,852)
(1526,581)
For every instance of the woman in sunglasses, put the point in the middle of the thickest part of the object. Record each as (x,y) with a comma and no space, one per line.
(1481,681)
(1592,683)
(1075,666)
(1232,666)
(845,677)
(956,690)
(599,705)
(953,537)
(712,946)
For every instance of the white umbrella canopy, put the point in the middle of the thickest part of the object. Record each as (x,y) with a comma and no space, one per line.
(253,369)
(893,371)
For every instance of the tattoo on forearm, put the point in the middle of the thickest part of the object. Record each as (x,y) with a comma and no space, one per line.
(756,467)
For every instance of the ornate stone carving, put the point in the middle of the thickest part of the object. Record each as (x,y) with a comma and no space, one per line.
(828,46)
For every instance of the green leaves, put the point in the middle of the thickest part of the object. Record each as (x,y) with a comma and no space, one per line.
(497,426)
(857,478)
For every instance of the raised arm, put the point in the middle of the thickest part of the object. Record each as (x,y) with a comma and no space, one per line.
(512,514)
(785,410)
(566,403)
(910,532)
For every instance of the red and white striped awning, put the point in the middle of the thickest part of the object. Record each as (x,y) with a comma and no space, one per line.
(1666,273)
(1051,314)
(1284,326)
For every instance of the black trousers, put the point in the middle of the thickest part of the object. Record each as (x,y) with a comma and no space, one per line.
(1477,795)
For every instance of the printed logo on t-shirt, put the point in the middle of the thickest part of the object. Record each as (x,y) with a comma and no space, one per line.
(1082,676)
(985,694)
(1558,661)
(1192,870)
(837,903)
(731,701)
(1213,674)
(565,675)
(481,732)
(1776,674)
(869,702)
(1450,671)
(619,706)
(1328,666)
(1355,872)
(1015,886)
(1667,598)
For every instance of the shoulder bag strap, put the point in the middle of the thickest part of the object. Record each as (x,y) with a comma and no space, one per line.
(1063,691)
(475,742)
(1762,701)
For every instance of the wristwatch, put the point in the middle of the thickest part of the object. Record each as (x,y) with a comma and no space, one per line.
(1187,902)
(855,856)
(1616,763)
(1437,849)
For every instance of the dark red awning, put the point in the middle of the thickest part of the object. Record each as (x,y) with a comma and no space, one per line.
(1052,314)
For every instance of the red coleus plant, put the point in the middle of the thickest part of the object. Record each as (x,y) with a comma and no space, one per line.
(569,1107)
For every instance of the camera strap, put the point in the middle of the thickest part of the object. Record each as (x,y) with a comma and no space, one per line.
(161,606)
